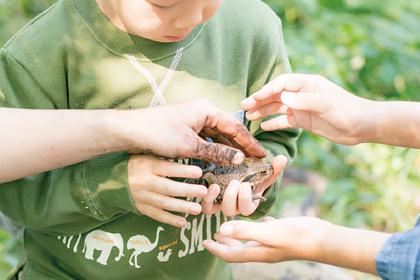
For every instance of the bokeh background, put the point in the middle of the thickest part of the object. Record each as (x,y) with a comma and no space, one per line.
(371,48)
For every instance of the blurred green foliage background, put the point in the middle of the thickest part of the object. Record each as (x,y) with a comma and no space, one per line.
(371,48)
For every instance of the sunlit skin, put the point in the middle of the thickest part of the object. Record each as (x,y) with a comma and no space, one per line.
(159,20)
(316,104)
(297,238)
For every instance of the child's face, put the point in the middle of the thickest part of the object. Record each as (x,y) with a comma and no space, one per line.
(159,20)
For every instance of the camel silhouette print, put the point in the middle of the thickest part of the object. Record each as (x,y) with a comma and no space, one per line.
(141,244)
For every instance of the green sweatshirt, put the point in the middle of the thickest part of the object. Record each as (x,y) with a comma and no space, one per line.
(81,222)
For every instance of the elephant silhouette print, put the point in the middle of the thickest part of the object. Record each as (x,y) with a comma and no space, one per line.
(141,244)
(104,242)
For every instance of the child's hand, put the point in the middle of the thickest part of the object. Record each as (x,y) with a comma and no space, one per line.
(237,198)
(153,193)
(314,104)
(272,241)
(297,238)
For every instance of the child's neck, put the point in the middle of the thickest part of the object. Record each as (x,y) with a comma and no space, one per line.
(108,10)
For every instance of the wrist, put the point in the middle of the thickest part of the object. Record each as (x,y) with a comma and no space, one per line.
(118,130)
(106,130)
(322,240)
(313,240)
(351,248)
(371,120)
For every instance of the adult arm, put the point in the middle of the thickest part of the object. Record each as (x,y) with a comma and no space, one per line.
(315,104)
(35,141)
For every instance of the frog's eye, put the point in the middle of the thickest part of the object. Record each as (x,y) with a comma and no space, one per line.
(264,172)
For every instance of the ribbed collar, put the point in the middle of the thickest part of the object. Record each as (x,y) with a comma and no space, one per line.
(121,42)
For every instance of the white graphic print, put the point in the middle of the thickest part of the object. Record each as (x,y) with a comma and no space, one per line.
(157,90)
(192,233)
(69,241)
(191,237)
(104,242)
(164,258)
(189,242)
(141,244)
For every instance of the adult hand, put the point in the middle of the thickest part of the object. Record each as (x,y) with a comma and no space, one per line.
(237,198)
(175,131)
(50,139)
(313,103)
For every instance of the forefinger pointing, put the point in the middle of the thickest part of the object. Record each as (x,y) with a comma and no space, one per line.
(243,230)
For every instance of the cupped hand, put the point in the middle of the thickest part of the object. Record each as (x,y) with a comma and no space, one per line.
(313,103)
(154,194)
(271,241)
(237,199)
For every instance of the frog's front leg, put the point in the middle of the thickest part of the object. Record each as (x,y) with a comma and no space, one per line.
(248,178)
(209,178)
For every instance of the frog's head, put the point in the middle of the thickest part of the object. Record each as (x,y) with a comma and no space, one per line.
(257,172)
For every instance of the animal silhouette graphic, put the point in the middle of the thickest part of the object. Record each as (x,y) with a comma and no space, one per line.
(104,242)
(69,241)
(141,244)
(164,258)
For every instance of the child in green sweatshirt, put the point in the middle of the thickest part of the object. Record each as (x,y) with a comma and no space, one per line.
(119,216)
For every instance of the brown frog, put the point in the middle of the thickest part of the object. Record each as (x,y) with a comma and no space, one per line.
(254,171)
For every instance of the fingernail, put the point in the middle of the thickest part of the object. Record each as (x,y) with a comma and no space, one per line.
(213,189)
(182,223)
(202,191)
(195,209)
(226,230)
(197,173)
(287,97)
(238,158)
(234,183)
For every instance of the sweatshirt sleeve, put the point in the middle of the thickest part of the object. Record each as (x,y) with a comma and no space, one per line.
(278,142)
(54,201)
(399,257)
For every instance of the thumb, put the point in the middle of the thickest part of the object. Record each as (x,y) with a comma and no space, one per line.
(312,102)
(269,219)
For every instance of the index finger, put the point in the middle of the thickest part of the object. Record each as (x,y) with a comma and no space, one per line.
(244,230)
(272,90)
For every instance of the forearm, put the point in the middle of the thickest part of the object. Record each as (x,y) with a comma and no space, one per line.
(35,141)
(395,123)
(349,248)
